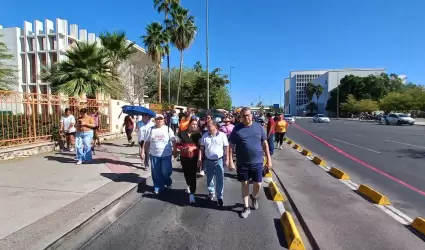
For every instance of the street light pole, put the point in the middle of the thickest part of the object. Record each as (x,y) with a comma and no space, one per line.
(231,84)
(207,64)
(337,95)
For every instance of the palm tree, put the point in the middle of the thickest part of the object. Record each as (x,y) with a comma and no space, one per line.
(198,66)
(182,31)
(155,41)
(118,47)
(310,90)
(318,93)
(165,6)
(88,70)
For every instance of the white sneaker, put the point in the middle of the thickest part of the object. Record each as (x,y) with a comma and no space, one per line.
(188,190)
(71,150)
(202,173)
(211,196)
(280,147)
(191,198)
(79,162)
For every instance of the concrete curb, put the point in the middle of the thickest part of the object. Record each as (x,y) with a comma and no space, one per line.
(292,235)
(380,200)
(373,195)
(274,192)
(54,240)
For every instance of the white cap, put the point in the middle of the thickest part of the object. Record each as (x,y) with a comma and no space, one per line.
(159,116)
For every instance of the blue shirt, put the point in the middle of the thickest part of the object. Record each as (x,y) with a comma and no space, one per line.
(248,141)
(174,119)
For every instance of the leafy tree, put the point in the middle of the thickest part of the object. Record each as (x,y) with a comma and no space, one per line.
(312,106)
(350,105)
(259,104)
(310,90)
(318,92)
(165,6)
(87,70)
(7,73)
(397,102)
(182,30)
(198,67)
(156,42)
(367,105)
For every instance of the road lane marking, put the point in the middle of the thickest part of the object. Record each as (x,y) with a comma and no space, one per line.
(393,215)
(407,144)
(399,213)
(371,150)
(280,207)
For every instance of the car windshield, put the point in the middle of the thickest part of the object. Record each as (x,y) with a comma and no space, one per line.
(402,115)
(321,116)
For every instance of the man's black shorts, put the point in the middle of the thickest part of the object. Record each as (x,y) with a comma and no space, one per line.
(72,133)
(248,172)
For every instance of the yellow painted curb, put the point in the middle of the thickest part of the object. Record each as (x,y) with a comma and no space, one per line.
(289,142)
(275,194)
(296,146)
(339,174)
(292,235)
(319,161)
(285,139)
(419,224)
(306,152)
(374,195)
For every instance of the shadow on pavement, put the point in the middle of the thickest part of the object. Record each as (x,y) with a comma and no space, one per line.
(280,233)
(115,145)
(179,170)
(124,177)
(94,161)
(411,229)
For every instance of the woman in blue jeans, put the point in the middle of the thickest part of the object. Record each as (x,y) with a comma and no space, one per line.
(161,142)
(83,140)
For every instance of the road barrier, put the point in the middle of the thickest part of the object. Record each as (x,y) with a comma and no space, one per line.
(292,235)
(285,139)
(419,225)
(289,142)
(339,174)
(274,192)
(296,146)
(373,195)
(319,161)
(306,152)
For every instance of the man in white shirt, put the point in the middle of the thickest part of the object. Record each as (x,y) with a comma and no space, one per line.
(161,142)
(142,128)
(212,156)
(67,127)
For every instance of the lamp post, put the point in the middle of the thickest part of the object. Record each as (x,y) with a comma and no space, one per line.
(207,64)
(337,95)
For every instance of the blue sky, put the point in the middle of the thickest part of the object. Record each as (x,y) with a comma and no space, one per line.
(264,40)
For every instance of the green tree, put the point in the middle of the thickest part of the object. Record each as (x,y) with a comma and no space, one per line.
(367,105)
(310,90)
(319,91)
(198,67)
(312,106)
(156,42)
(395,101)
(182,30)
(7,72)
(165,6)
(87,70)
(349,105)
(118,47)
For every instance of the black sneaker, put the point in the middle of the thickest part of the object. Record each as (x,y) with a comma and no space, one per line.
(220,202)
(246,212)
(254,201)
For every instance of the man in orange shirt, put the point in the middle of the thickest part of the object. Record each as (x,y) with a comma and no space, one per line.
(184,123)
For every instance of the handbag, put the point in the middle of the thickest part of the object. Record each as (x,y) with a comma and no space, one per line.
(185,152)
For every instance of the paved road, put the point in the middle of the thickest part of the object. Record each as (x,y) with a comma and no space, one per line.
(398,151)
(166,222)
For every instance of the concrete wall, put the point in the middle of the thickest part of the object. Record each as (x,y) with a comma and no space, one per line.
(116,119)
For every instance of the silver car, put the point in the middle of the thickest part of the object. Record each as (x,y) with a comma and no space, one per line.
(321,118)
(399,119)
(289,118)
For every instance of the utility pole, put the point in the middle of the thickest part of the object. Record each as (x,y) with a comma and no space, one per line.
(337,95)
(207,64)
(231,67)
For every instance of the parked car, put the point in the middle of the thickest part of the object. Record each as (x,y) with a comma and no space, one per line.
(399,119)
(289,118)
(321,118)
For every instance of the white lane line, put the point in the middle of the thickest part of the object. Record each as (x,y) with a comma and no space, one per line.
(371,150)
(392,214)
(407,144)
(348,184)
(353,184)
(280,207)
(400,213)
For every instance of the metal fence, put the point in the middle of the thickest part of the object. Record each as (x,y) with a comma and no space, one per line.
(31,118)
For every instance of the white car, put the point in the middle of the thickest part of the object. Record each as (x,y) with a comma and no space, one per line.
(321,118)
(289,118)
(399,119)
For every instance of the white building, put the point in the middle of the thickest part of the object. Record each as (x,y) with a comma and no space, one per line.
(329,79)
(41,44)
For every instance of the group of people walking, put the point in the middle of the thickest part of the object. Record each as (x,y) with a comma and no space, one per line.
(81,134)
(207,147)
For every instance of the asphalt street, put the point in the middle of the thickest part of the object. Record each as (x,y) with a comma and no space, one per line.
(391,158)
(168,222)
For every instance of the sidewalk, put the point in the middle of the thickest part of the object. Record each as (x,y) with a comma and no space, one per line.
(335,215)
(45,196)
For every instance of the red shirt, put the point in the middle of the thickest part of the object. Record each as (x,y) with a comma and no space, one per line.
(270,127)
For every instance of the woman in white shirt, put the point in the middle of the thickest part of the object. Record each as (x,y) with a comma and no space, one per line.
(161,142)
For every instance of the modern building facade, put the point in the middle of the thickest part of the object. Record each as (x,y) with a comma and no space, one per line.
(41,44)
(328,79)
